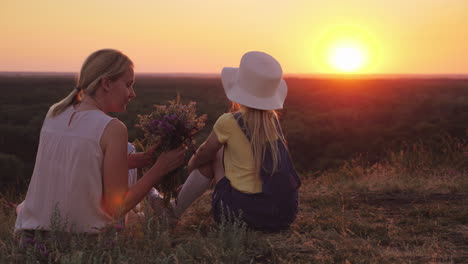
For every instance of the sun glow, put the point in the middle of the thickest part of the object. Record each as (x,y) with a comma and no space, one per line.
(346,57)
(345,49)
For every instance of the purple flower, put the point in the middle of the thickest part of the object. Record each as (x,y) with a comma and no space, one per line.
(155,124)
(167,127)
(27,241)
(43,250)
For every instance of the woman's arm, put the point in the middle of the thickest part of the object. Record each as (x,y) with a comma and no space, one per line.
(141,159)
(118,198)
(205,153)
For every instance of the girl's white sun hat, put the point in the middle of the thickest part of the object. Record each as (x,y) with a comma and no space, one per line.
(257,83)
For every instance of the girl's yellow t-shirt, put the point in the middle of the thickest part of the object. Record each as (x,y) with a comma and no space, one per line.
(239,164)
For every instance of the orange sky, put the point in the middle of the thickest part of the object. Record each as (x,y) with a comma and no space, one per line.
(401,36)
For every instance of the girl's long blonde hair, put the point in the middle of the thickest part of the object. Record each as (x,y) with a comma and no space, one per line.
(261,127)
(104,63)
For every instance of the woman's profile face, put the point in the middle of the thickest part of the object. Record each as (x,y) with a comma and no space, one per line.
(122,92)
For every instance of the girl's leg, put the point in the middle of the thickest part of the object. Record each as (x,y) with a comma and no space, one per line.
(196,184)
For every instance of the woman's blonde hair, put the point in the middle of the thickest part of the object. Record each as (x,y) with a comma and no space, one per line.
(104,63)
(263,133)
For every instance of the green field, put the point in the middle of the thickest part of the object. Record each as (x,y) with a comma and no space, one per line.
(384,164)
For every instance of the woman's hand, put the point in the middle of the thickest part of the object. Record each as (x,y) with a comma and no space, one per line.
(170,160)
(149,153)
(142,159)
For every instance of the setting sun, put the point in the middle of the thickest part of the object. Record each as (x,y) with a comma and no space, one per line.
(346,49)
(346,58)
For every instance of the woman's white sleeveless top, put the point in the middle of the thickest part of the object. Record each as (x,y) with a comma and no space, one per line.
(67,177)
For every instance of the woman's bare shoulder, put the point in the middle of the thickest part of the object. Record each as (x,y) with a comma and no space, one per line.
(115,131)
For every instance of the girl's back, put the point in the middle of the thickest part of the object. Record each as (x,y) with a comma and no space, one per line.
(275,206)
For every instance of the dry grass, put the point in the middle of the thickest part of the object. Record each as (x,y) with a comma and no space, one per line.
(391,212)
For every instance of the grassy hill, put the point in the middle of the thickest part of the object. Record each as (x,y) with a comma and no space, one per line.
(408,208)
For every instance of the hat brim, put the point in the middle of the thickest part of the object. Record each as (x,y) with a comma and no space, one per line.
(238,95)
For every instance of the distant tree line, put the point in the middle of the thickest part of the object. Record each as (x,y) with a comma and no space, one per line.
(326,121)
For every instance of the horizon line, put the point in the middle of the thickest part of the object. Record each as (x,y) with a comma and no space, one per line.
(285,75)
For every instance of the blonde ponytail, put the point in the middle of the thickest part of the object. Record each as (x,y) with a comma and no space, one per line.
(59,107)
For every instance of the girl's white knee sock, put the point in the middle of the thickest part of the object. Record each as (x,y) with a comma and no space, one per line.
(195,185)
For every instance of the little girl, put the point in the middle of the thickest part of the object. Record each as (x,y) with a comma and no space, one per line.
(246,153)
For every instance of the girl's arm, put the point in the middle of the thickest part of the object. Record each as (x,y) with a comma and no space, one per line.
(205,153)
(118,198)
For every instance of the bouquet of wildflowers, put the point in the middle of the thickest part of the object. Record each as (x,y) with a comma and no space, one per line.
(171,126)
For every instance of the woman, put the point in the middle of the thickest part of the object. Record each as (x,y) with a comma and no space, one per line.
(246,152)
(81,168)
